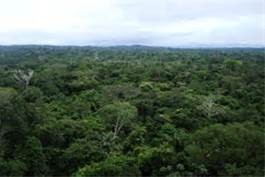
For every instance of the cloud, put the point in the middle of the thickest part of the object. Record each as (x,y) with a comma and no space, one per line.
(124,22)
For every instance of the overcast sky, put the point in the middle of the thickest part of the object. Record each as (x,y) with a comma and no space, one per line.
(126,22)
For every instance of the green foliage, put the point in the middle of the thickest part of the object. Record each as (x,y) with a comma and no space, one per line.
(131,111)
(12,167)
(232,64)
(113,166)
(31,153)
(229,150)
(118,115)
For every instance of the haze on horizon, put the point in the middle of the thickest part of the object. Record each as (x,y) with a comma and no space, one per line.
(128,22)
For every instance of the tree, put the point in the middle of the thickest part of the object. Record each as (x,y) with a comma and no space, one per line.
(23,77)
(155,161)
(114,165)
(209,106)
(13,125)
(222,147)
(31,153)
(115,116)
(119,114)
(232,65)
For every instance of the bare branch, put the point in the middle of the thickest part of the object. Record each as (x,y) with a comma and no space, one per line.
(23,77)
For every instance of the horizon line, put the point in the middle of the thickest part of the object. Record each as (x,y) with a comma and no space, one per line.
(191,45)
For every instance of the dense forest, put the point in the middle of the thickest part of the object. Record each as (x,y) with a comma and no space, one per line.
(131,111)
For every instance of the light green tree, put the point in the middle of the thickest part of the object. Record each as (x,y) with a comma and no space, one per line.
(118,115)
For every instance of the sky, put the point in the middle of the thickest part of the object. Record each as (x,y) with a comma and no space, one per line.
(131,22)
